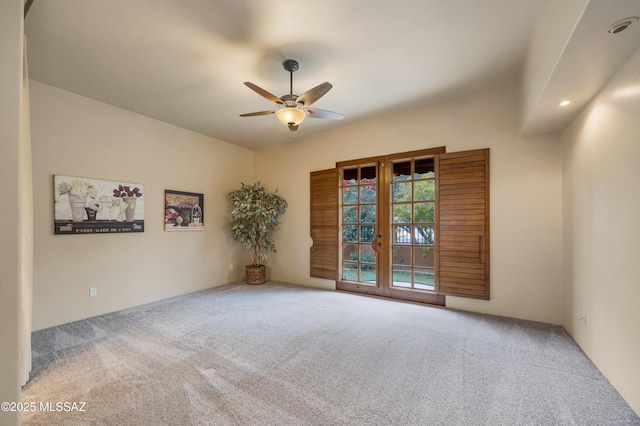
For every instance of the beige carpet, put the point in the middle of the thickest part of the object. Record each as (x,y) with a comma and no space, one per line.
(280,354)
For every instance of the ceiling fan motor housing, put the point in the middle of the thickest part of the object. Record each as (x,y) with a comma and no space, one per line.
(290,101)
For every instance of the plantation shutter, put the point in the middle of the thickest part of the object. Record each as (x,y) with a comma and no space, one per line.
(324,224)
(463,223)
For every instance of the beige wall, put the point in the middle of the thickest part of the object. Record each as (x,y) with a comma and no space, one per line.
(596,166)
(11,42)
(76,136)
(525,194)
(601,228)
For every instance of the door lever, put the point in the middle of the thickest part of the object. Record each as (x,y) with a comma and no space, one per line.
(375,243)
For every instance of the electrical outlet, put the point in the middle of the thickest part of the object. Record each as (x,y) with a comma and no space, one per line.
(231,266)
(93,291)
(583,318)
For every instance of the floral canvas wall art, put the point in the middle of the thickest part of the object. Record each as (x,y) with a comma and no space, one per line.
(183,211)
(93,206)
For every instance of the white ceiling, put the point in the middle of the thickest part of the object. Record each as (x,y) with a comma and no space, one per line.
(184,62)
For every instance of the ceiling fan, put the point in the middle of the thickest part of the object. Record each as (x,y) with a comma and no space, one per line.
(293,108)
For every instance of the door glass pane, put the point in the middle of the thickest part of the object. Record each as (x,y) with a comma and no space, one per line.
(350,177)
(368,273)
(367,254)
(350,252)
(350,233)
(368,175)
(424,256)
(368,194)
(401,255)
(401,192)
(424,212)
(349,271)
(423,279)
(368,214)
(350,214)
(367,233)
(424,234)
(425,168)
(401,234)
(424,190)
(350,195)
(401,213)
(402,171)
(402,277)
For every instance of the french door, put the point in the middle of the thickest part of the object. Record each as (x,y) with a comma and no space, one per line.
(387,212)
(412,226)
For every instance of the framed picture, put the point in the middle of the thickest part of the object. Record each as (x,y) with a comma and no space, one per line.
(93,206)
(183,211)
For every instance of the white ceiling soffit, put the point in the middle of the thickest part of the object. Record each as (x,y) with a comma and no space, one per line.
(572,56)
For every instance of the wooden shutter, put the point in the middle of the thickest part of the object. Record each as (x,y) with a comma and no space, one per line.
(463,223)
(324,224)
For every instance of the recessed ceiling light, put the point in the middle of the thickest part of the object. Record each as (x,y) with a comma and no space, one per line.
(620,26)
(564,102)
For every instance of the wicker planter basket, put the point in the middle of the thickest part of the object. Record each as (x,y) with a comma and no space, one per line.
(255,274)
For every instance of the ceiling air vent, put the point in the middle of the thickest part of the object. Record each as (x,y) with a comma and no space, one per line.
(621,25)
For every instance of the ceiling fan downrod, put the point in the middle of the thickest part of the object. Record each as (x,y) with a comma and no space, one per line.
(291,66)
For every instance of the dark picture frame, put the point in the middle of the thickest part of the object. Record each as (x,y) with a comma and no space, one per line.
(183,211)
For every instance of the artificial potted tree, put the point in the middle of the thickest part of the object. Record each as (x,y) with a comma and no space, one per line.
(254,216)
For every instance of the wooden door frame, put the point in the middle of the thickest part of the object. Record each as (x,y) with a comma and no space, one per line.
(352,286)
(383,285)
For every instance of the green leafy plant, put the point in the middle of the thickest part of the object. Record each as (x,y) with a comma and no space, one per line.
(254,216)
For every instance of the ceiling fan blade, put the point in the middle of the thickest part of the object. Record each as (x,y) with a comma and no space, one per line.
(260,91)
(310,96)
(253,114)
(327,115)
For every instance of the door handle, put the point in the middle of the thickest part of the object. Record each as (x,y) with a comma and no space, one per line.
(375,243)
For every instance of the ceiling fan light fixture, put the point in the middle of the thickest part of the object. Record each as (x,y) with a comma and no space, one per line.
(291,116)
(292,109)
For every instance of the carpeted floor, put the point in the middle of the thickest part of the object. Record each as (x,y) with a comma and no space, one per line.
(280,354)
